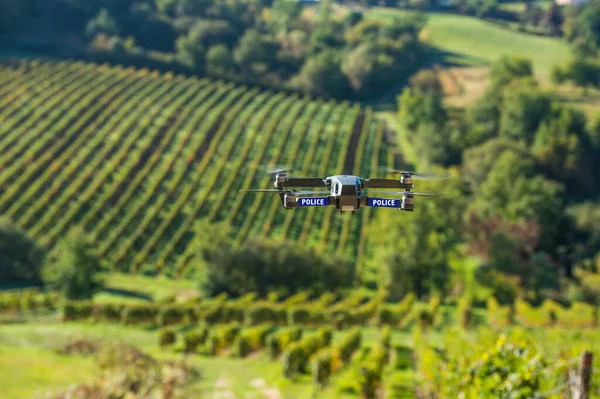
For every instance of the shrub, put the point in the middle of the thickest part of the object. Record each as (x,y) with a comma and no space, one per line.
(265,312)
(194,339)
(322,367)
(252,339)
(77,310)
(306,316)
(278,342)
(166,338)
(139,314)
(296,356)
(171,314)
(108,312)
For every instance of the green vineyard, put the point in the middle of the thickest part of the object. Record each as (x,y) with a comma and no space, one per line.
(135,157)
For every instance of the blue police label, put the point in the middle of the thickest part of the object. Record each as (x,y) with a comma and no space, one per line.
(313,201)
(384,202)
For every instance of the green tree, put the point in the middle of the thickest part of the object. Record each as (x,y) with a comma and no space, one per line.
(103,22)
(524,107)
(508,68)
(285,13)
(21,258)
(219,60)
(321,75)
(514,190)
(414,249)
(582,28)
(254,53)
(74,267)
(562,147)
(478,160)
(192,49)
(265,265)
(581,71)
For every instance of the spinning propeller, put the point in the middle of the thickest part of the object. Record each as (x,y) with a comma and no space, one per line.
(262,171)
(421,176)
(406,192)
(273,190)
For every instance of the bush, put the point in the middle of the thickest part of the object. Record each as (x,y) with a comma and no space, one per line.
(322,367)
(77,310)
(278,342)
(252,339)
(169,315)
(22,257)
(194,339)
(74,267)
(296,356)
(265,312)
(166,338)
(306,316)
(139,314)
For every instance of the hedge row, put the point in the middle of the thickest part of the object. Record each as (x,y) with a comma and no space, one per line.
(341,315)
(30,299)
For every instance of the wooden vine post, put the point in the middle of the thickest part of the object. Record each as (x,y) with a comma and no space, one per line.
(579,381)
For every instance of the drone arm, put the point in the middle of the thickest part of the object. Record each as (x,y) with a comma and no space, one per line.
(305,182)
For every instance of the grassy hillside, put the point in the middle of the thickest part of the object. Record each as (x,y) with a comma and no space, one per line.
(468,45)
(136,157)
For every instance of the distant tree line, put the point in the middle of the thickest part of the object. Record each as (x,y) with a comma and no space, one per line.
(280,43)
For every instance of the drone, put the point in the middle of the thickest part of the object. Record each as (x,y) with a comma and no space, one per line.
(347,193)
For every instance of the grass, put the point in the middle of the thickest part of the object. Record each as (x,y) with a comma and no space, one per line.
(136,288)
(28,371)
(28,362)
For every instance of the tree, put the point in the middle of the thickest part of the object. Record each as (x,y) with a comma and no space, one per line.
(21,258)
(581,71)
(266,265)
(321,75)
(553,19)
(415,249)
(524,107)
(582,29)
(285,13)
(514,190)
(508,68)
(562,148)
(219,60)
(478,160)
(156,33)
(254,53)
(103,22)
(75,267)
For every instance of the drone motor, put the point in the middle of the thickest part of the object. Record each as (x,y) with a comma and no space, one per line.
(408,202)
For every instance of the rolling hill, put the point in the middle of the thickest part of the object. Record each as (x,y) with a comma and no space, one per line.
(136,157)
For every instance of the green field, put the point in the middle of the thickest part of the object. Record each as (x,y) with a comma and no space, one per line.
(469,45)
(136,157)
(470,41)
